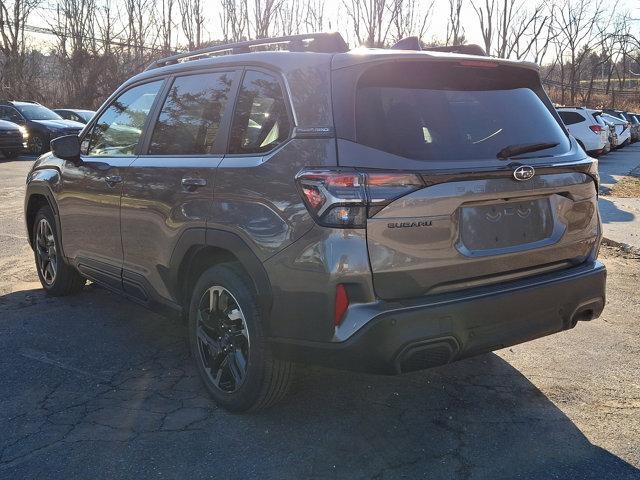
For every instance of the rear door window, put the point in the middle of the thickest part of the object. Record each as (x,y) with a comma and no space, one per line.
(571,118)
(190,118)
(437,111)
(261,121)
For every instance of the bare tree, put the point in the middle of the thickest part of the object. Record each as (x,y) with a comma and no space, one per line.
(315,18)
(234,17)
(486,13)
(575,21)
(542,35)
(106,19)
(410,18)
(192,15)
(138,30)
(290,17)
(523,30)
(15,62)
(77,49)
(455,31)
(166,24)
(264,12)
(370,20)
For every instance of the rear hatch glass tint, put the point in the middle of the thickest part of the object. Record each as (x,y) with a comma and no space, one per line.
(445,111)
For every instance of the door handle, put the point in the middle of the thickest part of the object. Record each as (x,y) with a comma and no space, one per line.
(113,179)
(192,183)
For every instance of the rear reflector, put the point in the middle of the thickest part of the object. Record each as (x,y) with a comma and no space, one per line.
(341,304)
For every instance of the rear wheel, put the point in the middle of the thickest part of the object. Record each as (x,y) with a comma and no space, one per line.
(56,276)
(229,346)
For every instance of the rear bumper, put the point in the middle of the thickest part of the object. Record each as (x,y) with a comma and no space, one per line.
(401,337)
(593,144)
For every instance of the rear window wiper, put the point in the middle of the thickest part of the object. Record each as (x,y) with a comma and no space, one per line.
(513,150)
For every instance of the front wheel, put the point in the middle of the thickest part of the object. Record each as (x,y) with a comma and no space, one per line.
(228,343)
(56,276)
(36,145)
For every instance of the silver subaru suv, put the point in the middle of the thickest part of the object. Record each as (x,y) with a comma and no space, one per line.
(382,210)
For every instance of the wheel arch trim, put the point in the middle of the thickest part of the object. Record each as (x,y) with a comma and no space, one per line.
(39,184)
(194,240)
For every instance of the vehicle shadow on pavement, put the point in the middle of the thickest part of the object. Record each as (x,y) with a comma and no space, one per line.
(96,387)
(610,213)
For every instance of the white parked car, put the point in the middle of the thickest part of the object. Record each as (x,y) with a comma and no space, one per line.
(582,123)
(622,129)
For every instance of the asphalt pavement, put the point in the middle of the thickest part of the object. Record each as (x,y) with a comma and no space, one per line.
(92,386)
(620,216)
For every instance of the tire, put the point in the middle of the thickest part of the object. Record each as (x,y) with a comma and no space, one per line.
(229,347)
(36,144)
(57,277)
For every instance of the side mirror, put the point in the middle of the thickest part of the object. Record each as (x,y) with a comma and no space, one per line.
(67,148)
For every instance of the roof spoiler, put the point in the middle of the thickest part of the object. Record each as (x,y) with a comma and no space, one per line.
(414,43)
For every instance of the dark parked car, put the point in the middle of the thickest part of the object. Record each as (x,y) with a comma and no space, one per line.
(80,116)
(42,124)
(383,211)
(12,139)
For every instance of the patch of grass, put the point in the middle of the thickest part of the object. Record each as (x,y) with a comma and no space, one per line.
(626,187)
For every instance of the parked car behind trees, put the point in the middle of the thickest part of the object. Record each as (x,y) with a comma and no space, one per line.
(41,124)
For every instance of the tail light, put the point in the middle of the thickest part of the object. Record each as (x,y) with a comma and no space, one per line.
(346,198)
(595,128)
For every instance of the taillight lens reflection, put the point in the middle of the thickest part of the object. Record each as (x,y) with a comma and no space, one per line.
(344,199)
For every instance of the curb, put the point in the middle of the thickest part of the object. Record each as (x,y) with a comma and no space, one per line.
(625,247)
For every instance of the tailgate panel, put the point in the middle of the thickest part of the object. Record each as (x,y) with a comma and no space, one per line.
(454,235)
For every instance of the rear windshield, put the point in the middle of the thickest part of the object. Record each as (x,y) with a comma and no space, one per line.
(446,111)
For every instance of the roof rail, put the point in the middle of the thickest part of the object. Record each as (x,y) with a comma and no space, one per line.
(310,42)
